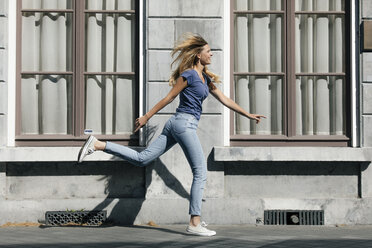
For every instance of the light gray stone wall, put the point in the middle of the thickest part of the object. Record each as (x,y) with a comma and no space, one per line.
(170,176)
(366,94)
(63,180)
(3,71)
(366,103)
(291,179)
(366,83)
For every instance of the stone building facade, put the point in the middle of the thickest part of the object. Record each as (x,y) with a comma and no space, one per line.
(243,181)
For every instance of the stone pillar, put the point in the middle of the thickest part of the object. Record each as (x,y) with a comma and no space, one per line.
(170,176)
(366,105)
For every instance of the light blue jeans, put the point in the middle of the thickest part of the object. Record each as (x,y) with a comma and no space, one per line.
(181,129)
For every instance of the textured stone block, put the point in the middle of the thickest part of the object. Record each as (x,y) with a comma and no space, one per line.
(366,8)
(366,173)
(4,7)
(211,105)
(160,61)
(2,178)
(3,130)
(291,179)
(210,131)
(3,32)
(69,181)
(3,65)
(367,131)
(367,98)
(210,30)
(190,8)
(3,97)
(159,65)
(367,67)
(156,92)
(161,33)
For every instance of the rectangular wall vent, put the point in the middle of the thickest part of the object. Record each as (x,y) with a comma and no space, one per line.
(88,218)
(294,217)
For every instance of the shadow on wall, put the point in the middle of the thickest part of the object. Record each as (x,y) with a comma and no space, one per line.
(294,179)
(131,197)
(294,168)
(127,207)
(125,184)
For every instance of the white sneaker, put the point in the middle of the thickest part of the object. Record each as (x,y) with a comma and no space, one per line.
(87,148)
(200,230)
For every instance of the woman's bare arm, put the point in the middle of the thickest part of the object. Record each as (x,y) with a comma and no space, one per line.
(173,93)
(233,105)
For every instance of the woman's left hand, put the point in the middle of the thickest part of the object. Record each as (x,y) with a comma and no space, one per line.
(140,122)
(255,117)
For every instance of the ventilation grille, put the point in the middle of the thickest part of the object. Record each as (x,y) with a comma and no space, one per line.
(87,218)
(294,217)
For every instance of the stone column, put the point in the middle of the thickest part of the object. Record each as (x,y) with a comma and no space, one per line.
(170,176)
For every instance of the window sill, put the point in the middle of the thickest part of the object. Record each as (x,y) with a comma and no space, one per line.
(69,154)
(330,154)
(51,154)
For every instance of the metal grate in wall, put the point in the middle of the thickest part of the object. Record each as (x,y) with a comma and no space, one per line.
(294,217)
(87,218)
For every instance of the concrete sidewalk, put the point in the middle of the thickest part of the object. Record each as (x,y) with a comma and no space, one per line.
(175,236)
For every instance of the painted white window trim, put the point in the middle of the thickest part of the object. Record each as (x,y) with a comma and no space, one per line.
(12,40)
(226,71)
(355,135)
(141,72)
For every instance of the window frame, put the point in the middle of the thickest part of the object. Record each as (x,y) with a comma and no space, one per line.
(78,74)
(289,136)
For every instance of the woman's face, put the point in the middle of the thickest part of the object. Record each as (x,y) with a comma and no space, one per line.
(205,55)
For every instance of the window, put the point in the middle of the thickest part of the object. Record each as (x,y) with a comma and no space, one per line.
(76,70)
(290,64)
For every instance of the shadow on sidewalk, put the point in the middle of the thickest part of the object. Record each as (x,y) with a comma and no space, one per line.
(207,242)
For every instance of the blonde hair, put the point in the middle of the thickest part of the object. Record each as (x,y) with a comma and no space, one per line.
(189,47)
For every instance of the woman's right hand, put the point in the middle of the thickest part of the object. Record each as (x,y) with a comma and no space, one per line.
(255,117)
(140,122)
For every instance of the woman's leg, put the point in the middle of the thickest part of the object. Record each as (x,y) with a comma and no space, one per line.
(162,144)
(190,144)
(143,158)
